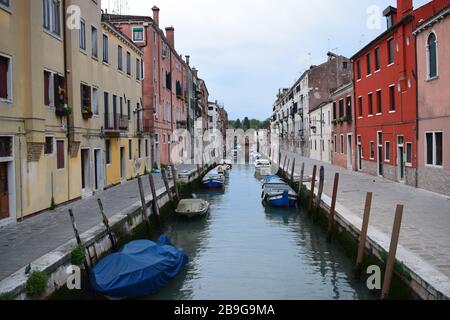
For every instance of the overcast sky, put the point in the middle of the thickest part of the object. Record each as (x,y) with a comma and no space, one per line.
(247,49)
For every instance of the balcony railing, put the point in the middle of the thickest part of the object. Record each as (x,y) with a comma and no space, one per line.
(115,122)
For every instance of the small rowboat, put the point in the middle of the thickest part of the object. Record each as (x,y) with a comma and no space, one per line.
(192,208)
(277,193)
(213,179)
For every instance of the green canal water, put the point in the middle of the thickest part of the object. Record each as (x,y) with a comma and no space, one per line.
(244,251)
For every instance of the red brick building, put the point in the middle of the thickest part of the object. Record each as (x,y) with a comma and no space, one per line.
(385,84)
(165,106)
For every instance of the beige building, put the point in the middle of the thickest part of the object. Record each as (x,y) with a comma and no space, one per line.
(69,110)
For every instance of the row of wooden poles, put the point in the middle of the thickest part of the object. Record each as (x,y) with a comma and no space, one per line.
(173,198)
(314,206)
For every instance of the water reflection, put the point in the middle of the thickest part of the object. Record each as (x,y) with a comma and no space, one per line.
(245,251)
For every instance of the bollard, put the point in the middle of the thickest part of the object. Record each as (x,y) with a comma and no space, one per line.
(300,185)
(392,253)
(333,206)
(363,236)
(106,223)
(143,203)
(155,198)
(319,194)
(313,185)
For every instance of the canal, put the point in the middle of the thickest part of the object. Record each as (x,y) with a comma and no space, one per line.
(244,251)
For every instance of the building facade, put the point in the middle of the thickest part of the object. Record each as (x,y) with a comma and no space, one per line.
(342,127)
(320,132)
(385,93)
(433,70)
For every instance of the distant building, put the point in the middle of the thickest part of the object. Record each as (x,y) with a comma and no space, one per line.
(320,132)
(433,70)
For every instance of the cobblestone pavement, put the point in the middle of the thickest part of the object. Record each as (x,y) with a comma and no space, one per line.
(24,242)
(426,217)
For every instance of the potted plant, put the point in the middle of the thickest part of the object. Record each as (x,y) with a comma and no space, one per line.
(86,112)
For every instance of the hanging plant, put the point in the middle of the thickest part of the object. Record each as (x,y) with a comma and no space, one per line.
(86,112)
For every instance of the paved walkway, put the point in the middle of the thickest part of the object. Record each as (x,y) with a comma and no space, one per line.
(24,242)
(425,229)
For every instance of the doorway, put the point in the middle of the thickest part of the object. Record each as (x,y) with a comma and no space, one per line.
(360,154)
(122,163)
(98,170)
(401,158)
(380,153)
(349,151)
(4,191)
(86,185)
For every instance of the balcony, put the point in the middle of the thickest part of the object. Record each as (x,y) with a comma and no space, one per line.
(115,123)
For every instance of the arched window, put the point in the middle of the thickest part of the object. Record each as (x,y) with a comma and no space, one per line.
(432,56)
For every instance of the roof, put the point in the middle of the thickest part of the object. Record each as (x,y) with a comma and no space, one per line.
(432,20)
(121,35)
(344,87)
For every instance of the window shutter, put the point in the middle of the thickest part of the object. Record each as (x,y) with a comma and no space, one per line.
(4,66)
(46,87)
(60,154)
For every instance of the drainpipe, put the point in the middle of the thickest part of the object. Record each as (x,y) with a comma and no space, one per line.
(66,79)
(20,178)
(415,74)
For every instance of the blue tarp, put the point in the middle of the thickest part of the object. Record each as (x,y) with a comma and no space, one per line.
(140,268)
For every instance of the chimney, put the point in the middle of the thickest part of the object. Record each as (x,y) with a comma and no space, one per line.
(155,10)
(170,35)
(404,7)
(187,59)
(195,72)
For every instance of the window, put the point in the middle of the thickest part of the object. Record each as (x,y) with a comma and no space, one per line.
(129,109)
(140,148)
(372,150)
(49,91)
(432,56)
(341,108)
(85,97)
(155,105)
(105,49)
(48,146)
(342,143)
(119,58)
(370,104)
(95,101)
(82,34)
(392,97)
(360,106)
(60,155)
(409,153)
(390,45)
(108,151)
(128,63)
(130,149)
(369,64)
(348,106)
(138,69)
(344,66)
(146,148)
(5,4)
(334,111)
(94,49)
(387,151)
(52,20)
(379,102)
(138,34)
(377,59)
(358,69)
(434,152)
(335,144)
(5,78)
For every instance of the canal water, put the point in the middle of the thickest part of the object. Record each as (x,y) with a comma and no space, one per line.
(244,251)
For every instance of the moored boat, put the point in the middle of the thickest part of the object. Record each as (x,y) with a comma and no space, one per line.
(277,193)
(263,167)
(192,208)
(141,268)
(213,179)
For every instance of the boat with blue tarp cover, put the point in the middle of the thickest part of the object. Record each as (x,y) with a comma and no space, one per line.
(278,193)
(141,268)
(213,179)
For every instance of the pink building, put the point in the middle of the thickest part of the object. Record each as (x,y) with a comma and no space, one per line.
(433,72)
(342,128)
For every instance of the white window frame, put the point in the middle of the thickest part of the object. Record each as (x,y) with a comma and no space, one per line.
(372,157)
(107,48)
(53,146)
(386,159)
(7,8)
(342,146)
(51,23)
(95,101)
(9,83)
(143,34)
(408,164)
(51,88)
(94,42)
(82,36)
(434,165)
(64,154)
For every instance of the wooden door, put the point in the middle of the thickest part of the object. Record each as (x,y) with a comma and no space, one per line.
(4,191)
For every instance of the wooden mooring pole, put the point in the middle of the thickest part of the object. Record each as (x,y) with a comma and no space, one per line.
(284,165)
(166,184)
(106,223)
(363,235)
(392,253)
(154,196)
(175,181)
(320,191)
(300,184)
(313,185)
(286,171)
(77,237)
(293,171)
(143,202)
(333,206)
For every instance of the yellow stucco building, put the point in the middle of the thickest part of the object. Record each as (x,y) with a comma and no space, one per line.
(70,105)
